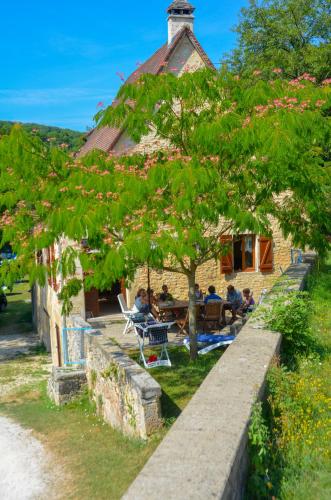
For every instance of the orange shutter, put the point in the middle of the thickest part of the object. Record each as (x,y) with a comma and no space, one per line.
(227,260)
(266,254)
(123,288)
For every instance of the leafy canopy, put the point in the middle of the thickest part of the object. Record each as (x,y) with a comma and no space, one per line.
(236,155)
(291,35)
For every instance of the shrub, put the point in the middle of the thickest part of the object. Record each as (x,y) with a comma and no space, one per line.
(290,315)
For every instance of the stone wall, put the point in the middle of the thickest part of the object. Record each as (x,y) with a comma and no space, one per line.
(126,396)
(204,455)
(64,384)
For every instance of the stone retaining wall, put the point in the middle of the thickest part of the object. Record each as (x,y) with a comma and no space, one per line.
(204,455)
(126,396)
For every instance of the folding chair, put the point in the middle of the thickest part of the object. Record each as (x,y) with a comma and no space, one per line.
(208,343)
(130,315)
(157,335)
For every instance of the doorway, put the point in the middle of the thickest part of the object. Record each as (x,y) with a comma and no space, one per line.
(104,303)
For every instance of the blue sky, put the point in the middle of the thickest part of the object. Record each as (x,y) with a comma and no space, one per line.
(60,57)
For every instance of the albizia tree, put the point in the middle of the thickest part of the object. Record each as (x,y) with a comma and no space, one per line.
(239,154)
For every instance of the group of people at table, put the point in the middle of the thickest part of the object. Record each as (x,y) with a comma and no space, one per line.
(236,302)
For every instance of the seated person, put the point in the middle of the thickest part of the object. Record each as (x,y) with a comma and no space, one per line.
(234,296)
(197,292)
(141,301)
(151,296)
(212,295)
(248,301)
(233,303)
(165,296)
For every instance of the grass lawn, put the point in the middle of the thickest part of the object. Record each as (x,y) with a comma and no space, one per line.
(297,449)
(181,381)
(16,318)
(97,461)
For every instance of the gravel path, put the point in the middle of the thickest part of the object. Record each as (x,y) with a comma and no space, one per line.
(23,464)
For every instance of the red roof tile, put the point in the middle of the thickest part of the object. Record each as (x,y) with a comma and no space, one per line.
(105,138)
(100,138)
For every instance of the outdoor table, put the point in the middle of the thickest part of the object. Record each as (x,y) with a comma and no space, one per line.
(179,308)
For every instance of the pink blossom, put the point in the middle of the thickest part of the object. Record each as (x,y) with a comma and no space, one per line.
(64,189)
(277,71)
(46,204)
(320,103)
(257,72)
(326,82)
(247,121)
(100,104)
(307,77)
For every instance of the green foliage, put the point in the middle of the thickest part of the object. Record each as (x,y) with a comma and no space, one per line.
(290,315)
(236,147)
(291,35)
(295,461)
(259,484)
(58,137)
(71,289)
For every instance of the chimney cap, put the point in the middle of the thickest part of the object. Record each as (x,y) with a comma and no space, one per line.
(181,5)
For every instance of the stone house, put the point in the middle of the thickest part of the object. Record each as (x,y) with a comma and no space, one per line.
(255,261)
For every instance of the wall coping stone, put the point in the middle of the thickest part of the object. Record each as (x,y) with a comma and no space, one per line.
(140,379)
(204,454)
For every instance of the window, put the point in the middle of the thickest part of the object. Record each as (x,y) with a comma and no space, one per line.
(244,253)
(241,254)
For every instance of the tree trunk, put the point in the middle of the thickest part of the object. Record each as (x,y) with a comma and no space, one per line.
(192,316)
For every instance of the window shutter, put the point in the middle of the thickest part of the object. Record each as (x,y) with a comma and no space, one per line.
(266,254)
(227,260)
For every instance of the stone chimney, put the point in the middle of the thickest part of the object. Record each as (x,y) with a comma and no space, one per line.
(180,15)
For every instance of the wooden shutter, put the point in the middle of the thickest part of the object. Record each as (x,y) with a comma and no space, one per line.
(266,254)
(123,288)
(227,260)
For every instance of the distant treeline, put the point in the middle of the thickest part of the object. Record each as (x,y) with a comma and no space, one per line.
(62,137)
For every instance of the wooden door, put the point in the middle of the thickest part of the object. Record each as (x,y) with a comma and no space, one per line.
(58,345)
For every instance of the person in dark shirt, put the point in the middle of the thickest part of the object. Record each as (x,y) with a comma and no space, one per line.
(212,295)
(165,296)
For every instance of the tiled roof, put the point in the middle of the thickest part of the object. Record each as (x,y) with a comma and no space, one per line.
(100,138)
(158,62)
(105,138)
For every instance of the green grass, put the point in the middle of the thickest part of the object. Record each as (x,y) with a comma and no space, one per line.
(17,317)
(99,461)
(297,458)
(181,381)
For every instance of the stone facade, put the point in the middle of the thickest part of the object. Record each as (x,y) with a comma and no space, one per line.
(47,310)
(210,274)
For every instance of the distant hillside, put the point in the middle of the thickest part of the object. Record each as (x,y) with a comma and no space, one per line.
(56,135)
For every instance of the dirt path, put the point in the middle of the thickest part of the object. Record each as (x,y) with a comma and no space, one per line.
(14,345)
(23,464)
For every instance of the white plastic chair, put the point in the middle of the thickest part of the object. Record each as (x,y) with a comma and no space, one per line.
(157,336)
(127,313)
